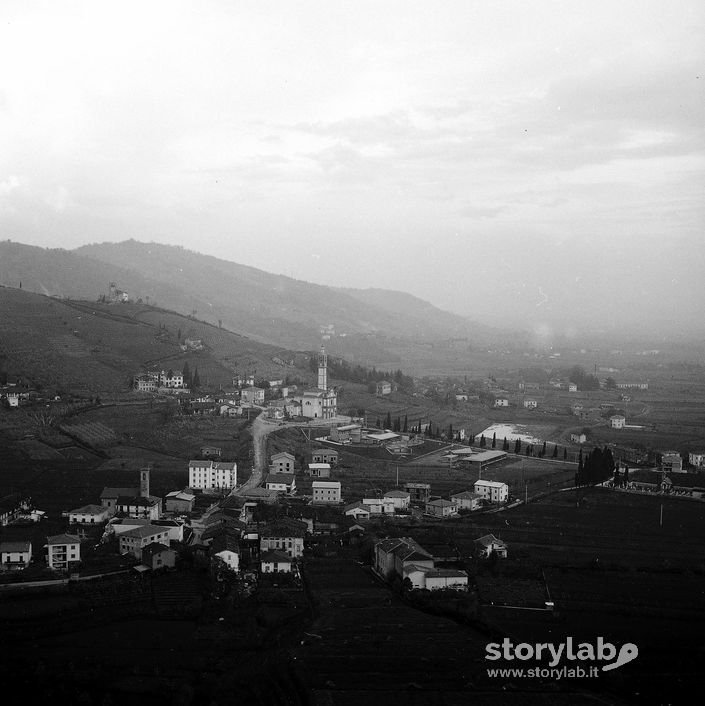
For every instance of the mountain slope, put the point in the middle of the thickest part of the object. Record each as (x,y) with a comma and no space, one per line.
(79,345)
(266,307)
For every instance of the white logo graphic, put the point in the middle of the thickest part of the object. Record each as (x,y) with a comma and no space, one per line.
(584,651)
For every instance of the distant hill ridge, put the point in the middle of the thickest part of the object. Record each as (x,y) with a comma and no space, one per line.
(266,307)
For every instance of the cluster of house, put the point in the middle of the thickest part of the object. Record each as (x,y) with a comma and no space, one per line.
(418,568)
(163,380)
(683,484)
(281,478)
(394,501)
(320,402)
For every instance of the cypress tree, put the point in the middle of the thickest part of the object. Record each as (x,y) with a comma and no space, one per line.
(494,440)
(196,380)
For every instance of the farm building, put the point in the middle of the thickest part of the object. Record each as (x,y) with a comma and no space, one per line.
(479,460)
(381,438)
(578,438)
(178,501)
(436,579)
(346,434)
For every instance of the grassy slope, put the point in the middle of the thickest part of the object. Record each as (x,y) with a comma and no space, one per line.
(87,346)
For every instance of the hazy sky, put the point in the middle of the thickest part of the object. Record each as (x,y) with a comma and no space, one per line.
(532,161)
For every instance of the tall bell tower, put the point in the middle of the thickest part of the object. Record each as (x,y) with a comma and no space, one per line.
(144,482)
(322,370)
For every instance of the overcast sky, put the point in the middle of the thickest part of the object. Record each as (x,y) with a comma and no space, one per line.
(512,161)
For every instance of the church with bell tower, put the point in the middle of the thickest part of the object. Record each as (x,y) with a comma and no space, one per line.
(321,403)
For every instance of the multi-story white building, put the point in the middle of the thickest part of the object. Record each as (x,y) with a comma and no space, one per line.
(171,379)
(492,490)
(134,540)
(617,421)
(253,395)
(697,459)
(326,491)
(62,551)
(209,474)
(399,498)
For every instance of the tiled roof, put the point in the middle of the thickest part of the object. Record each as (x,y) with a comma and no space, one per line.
(18,546)
(488,540)
(94,509)
(63,539)
(142,532)
(137,501)
(274,555)
(109,493)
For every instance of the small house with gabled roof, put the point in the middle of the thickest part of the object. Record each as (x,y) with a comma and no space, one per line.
(274,561)
(487,544)
(16,555)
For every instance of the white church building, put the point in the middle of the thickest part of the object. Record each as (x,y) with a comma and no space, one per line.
(320,403)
